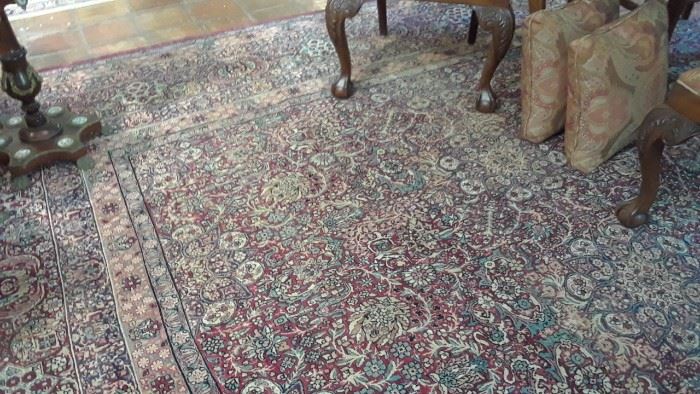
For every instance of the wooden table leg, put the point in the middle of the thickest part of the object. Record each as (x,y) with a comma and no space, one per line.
(21,82)
(337,11)
(500,22)
(662,126)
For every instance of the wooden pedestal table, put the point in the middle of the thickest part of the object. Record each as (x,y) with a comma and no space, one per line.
(35,139)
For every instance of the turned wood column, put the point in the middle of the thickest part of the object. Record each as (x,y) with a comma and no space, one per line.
(21,82)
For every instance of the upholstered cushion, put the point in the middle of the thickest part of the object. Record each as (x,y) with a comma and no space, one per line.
(616,75)
(546,37)
(691,80)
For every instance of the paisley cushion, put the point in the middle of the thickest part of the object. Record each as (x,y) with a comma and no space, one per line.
(616,75)
(546,37)
(691,80)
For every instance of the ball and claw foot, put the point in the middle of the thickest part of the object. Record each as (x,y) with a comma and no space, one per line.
(342,88)
(629,215)
(486,103)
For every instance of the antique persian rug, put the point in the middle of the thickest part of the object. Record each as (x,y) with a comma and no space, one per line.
(241,231)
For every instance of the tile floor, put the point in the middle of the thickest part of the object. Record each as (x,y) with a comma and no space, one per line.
(91,31)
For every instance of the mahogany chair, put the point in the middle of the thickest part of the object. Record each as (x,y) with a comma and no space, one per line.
(494,16)
(678,9)
(670,123)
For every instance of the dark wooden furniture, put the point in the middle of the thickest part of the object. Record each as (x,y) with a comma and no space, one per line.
(678,9)
(38,138)
(668,124)
(495,16)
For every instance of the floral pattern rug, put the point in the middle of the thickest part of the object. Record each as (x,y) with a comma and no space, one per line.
(241,231)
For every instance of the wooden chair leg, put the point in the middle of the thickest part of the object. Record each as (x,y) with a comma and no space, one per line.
(662,126)
(500,22)
(337,11)
(381,10)
(536,5)
(688,10)
(675,9)
(473,28)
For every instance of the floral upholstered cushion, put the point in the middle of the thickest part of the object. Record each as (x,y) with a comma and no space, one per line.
(691,81)
(546,38)
(617,74)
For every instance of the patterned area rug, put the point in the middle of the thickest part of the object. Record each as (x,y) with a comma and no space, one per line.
(243,232)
